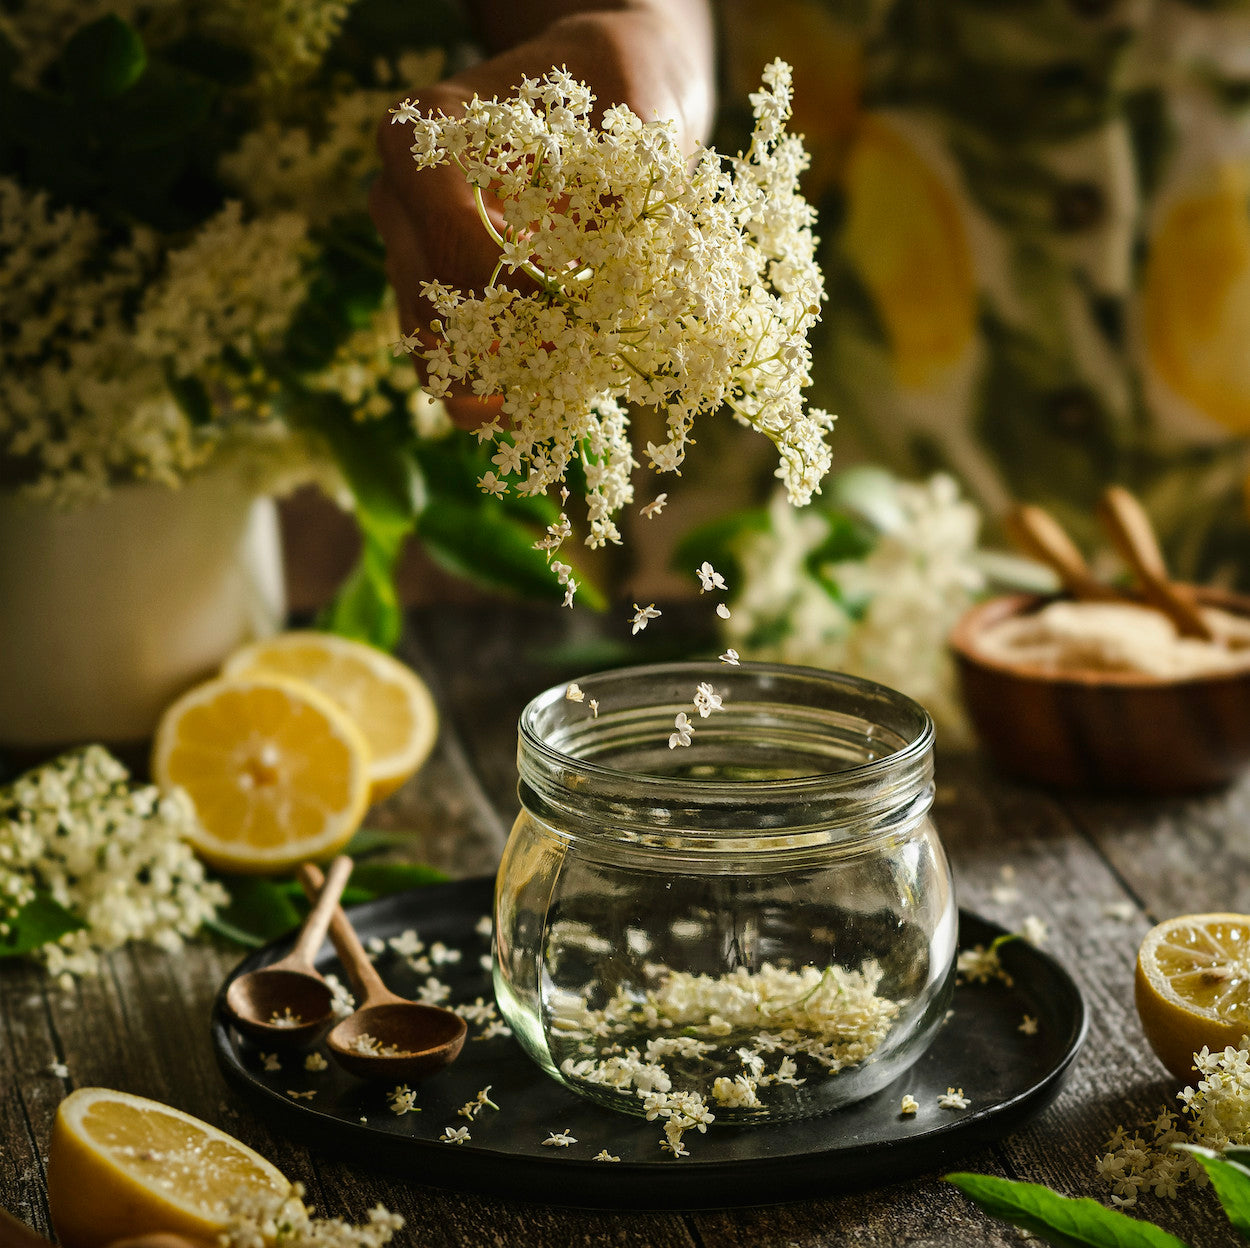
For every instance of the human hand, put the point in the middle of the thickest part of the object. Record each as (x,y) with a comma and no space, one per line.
(654,56)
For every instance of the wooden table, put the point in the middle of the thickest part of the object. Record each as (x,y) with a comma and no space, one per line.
(143,1024)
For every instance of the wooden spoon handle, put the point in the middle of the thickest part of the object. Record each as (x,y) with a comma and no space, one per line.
(1126,521)
(318,921)
(1040,535)
(360,970)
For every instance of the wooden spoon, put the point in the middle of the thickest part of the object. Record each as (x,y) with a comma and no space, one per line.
(388,1037)
(1041,536)
(291,988)
(1126,521)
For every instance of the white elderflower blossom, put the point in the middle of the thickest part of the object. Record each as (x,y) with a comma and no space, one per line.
(651,510)
(885,613)
(909,1104)
(113,854)
(619,231)
(683,731)
(560,1139)
(455,1135)
(1214,1114)
(731,657)
(642,617)
(706,700)
(258,1216)
(709,578)
(953,1098)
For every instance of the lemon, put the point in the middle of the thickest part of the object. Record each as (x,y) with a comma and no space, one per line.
(391,705)
(1193,987)
(276,772)
(122,1165)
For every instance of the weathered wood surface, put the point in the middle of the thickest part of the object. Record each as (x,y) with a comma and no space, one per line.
(142,1026)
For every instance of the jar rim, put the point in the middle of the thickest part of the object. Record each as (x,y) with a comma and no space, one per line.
(819,710)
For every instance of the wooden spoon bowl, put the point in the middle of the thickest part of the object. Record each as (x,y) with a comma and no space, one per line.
(394,1025)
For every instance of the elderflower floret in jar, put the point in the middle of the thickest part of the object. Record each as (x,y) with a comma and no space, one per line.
(756,926)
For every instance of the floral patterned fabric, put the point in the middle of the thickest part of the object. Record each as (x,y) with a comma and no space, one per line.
(1037,245)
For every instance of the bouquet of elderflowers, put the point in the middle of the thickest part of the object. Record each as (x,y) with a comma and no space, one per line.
(89,860)
(189,272)
(684,288)
(869,581)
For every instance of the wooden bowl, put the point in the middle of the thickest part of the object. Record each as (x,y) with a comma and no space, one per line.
(1104,731)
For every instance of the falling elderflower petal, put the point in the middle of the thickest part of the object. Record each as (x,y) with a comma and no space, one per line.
(684,731)
(642,616)
(709,578)
(731,657)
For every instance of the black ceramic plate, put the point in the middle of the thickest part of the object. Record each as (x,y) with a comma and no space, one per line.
(1009,1077)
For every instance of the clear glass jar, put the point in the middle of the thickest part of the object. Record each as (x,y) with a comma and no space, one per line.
(762,921)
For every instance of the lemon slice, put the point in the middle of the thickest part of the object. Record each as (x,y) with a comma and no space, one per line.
(276,772)
(121,1165)
(391,704)
(1193,987)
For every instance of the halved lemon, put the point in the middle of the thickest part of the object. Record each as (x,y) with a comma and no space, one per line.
(277,773)
(121,1165)
(390,703)
(1193,987)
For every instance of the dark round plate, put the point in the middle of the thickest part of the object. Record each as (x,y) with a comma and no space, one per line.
(1009,1077)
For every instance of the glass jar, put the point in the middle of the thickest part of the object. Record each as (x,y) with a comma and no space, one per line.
(757,926)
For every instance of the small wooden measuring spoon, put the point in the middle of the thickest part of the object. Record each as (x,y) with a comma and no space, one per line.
(1126,521)
(1041,536)
(388,1037)
(264,1002)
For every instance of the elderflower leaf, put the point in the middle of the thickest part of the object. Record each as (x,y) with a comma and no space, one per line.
(104,58)
(1230,1180)
(37,923)
(259,911)
(1059,1219)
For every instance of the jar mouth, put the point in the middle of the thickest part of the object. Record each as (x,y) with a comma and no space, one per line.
(791,748)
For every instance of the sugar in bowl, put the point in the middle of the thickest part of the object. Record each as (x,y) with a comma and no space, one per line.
(755,926)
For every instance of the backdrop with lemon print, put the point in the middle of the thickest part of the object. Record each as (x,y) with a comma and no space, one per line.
(1035,225)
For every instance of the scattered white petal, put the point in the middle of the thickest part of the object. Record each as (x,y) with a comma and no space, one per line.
(731,657)
(1028,1025)
(909,1104)
(722,611)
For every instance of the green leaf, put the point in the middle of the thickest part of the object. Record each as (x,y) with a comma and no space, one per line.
(39,921)
(103,59)
(366,607)
(1060,1219)
(477,541)
(368,841)
(1231,1182)
(380,879)
(259,911)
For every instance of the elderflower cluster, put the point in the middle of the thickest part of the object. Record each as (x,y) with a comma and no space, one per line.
(110,853)
(885,615)
(267,1219)
(661,284)
(132,351)
(1214,1115)
(734,1039)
